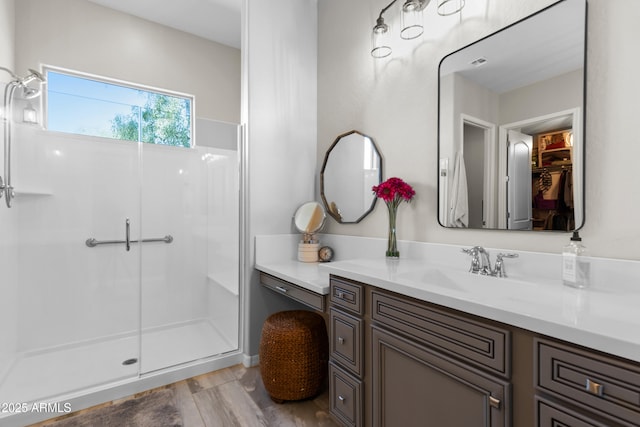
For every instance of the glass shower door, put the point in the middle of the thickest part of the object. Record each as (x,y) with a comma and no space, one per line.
(74,303)
(190,298)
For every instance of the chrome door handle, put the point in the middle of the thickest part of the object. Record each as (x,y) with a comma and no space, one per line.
(127,234)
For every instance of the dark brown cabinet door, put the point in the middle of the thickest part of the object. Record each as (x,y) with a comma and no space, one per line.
(416,386)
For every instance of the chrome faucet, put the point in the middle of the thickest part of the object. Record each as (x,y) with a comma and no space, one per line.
(481,263)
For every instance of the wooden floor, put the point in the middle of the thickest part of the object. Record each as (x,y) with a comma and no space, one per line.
(235,396)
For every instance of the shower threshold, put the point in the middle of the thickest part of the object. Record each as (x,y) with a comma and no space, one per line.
(43,375)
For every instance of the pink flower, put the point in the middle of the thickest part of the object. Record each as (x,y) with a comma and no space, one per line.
(394,190)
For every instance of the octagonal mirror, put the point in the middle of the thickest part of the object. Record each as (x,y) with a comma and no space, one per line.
(351,167)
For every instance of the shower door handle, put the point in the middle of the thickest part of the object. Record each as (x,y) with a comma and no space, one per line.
(127,236)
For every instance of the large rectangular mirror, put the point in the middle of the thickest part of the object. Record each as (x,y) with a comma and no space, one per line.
(511,126)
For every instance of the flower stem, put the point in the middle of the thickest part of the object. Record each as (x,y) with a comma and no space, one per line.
(392,244)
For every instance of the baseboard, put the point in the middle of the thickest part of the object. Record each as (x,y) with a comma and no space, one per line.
(249,361)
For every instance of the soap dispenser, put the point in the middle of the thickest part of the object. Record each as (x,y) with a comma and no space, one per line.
(575,265)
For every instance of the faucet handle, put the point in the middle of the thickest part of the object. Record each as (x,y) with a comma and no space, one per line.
(474,251)
(475,260)
(500,271)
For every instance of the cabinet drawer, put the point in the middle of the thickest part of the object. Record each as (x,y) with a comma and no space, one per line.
(605,385)
(347,295)
(345,397)
(474,342)
(309,298)
(346,341)
(550,414)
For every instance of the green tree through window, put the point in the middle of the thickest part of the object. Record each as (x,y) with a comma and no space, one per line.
(165,121)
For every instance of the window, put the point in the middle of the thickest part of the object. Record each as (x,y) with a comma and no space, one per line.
(101,107)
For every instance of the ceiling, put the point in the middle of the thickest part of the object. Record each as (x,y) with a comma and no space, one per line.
(216,20)
(542,46)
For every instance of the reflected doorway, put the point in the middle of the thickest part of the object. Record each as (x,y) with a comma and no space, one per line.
(479,148)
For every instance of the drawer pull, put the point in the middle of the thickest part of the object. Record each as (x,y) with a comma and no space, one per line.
(282,289)
(341,340)
(594,388)
(340,295)
(341,398)
(493,402)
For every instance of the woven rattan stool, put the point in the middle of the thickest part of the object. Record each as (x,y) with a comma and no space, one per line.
(293,355)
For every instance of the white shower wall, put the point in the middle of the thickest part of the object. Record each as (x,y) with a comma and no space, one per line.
(9,292)
(71,188)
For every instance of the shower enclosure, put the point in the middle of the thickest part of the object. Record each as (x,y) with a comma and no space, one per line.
(153,298)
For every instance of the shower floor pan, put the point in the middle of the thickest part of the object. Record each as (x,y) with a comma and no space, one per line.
(41,376)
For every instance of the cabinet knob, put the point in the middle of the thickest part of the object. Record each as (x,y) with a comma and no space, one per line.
(341,398)
(340,294)
(594,388)
(341,340)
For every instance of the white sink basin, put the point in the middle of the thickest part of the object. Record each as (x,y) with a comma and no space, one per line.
(466,282)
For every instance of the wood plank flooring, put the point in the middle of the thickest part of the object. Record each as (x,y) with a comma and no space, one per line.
(235,396)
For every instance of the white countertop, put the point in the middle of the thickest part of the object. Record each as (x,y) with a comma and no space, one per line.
(605,321)
(605,317)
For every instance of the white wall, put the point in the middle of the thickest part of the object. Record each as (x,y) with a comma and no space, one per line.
(7,35)
(83,36)
(279,115)
(560,93)
(395,102)
(474,164)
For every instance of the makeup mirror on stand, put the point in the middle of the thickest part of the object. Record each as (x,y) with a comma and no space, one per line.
(309,219)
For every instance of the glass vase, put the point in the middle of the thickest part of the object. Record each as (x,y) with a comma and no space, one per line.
(392,243)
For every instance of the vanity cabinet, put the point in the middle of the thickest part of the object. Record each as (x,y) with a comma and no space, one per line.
(400,361)
(346,345)
(421,364)
(587,387)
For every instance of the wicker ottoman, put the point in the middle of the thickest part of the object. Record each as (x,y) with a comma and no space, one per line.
(294,355)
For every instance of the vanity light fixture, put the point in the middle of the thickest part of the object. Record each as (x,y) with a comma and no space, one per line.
(380,39)
(449,7)
(410,21)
